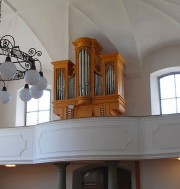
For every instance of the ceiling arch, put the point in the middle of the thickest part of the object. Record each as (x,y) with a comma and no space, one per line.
(134,28)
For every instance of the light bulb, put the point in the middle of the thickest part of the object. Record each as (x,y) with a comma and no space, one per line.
(35,93)
(32,77)
(42,84)
(4,96)
(25,93)
(10,165)
(8,69)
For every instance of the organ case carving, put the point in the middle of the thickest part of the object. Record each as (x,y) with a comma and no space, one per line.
(94,86)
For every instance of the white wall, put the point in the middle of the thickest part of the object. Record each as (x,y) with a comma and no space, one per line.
(137,95)
(137,85)
(160,174)
(41,176)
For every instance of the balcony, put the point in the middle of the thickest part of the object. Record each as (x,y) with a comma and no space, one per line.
(101,138)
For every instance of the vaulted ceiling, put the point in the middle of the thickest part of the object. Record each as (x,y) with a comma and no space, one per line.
(135,28)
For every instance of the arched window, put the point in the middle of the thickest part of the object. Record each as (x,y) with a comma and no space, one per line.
(165,94)
(169,88)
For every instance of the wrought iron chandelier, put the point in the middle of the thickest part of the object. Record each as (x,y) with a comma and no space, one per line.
(20,65)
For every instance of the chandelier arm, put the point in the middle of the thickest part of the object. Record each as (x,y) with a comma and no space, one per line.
(37,60)
(19,75)
(3,83)
(27,65)
(7,44)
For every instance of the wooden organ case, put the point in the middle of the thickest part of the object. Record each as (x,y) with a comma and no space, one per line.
(94,86)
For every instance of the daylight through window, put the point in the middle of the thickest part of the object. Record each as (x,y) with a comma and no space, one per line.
(170,93)
(38,110)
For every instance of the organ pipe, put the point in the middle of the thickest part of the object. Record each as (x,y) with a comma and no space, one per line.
(60,92)
(83,66)
(80,77)
(84,73)
(110,77)
(88,73)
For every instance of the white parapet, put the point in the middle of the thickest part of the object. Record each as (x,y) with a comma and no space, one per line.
(102,138)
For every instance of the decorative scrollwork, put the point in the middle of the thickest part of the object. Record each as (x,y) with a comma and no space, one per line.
(28,65)
(38,53)
(25,60)
(24,66)
(32,52)
(19,75)
(7,42)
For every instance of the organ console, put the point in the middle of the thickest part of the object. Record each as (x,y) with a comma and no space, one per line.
(94,86)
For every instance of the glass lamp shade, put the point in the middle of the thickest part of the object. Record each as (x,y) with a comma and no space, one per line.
(25,93)
(8,69)
(35,93)
(32,77)
(42,84)
(4,96)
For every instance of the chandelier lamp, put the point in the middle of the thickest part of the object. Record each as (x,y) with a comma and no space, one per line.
(19,65)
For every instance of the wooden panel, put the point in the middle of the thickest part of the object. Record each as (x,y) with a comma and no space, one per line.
(84,112)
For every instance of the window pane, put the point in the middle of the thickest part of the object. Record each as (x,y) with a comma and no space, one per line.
(38,110)
(31,118)
(168,106)
(178,105)
(167,87)
(32,105)
(177,79)
(44,116)
(44,101)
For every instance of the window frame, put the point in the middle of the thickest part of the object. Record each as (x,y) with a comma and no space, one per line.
(25,116)
(159,89)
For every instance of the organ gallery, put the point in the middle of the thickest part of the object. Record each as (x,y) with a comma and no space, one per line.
(92,86)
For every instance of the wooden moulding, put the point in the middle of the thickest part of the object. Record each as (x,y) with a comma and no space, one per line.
(83,100)
(87,42)
(112,105)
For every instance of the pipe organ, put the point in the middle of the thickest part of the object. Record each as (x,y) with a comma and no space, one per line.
(93,86)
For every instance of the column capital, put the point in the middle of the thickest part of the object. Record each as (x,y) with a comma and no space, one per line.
(61,165)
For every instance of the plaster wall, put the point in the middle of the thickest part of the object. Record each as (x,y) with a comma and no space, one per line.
(138,93)
(29,176)
(160,173)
